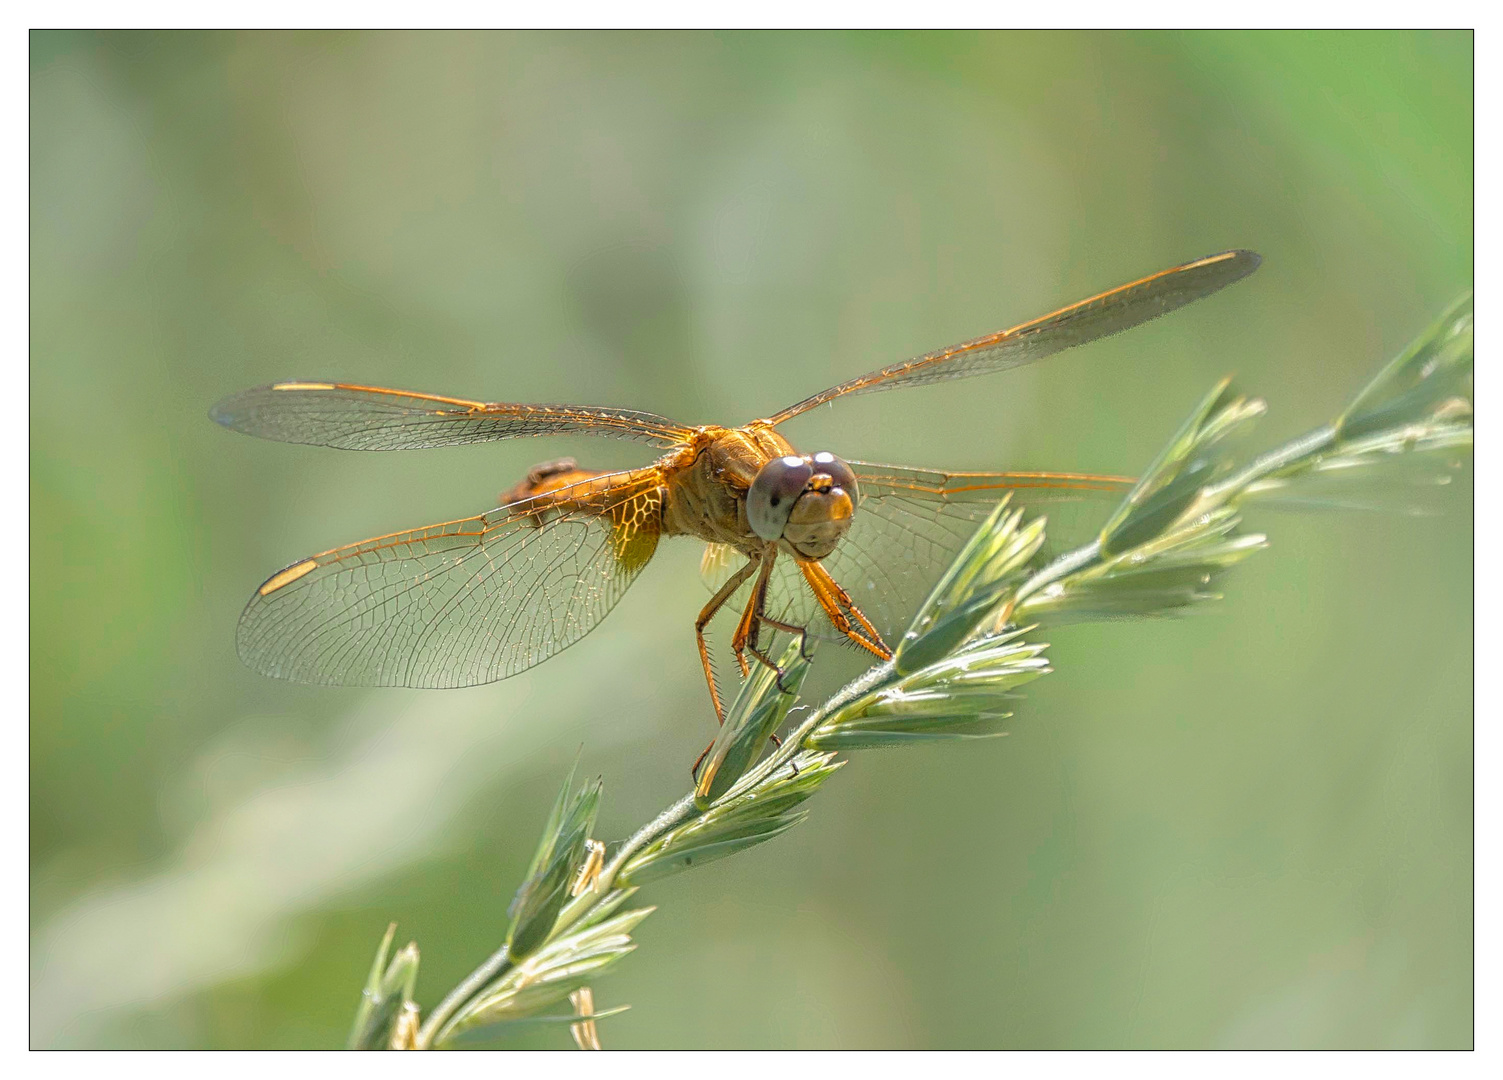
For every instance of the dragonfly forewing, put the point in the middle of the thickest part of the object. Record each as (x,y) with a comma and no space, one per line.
(350,417)
(1097,317)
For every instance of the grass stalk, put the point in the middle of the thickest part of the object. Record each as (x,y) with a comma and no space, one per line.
(954,676)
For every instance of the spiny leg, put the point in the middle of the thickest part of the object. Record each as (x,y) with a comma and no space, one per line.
(831,598)
(757,610)
(745,637)
(694,769)
(850,605)
(705,615)
(761,618)
(800,632)
(778,674)
(756,617)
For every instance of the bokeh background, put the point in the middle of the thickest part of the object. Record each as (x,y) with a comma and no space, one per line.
(1251,827)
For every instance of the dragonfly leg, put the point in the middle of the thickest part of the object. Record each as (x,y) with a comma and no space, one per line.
(744,640)
(694,769)
(769,662)
(800,632)
(871,631)
(759,618)
(788,628)
(705,615)
(836,602)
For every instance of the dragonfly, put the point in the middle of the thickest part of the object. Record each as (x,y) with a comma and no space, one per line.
(802,543)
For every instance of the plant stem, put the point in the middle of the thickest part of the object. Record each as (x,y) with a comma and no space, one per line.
(494,965)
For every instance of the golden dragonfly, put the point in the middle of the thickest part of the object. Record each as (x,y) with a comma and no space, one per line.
(839,547)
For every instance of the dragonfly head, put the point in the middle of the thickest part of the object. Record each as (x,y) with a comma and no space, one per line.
(808,501)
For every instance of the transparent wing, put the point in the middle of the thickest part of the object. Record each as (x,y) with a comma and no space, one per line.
(911,524)
(460,603)
(351,417)
(1107,313)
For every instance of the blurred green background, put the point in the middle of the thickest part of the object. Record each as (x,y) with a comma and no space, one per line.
(1251,827)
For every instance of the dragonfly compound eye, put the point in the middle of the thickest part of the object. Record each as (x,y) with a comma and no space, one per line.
(773,493)
(822,514)
(838,471)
